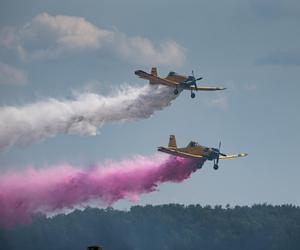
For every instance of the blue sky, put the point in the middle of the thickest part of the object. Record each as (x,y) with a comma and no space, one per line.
(250,47)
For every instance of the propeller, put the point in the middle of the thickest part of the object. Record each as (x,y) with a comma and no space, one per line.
(217,151)
(192,80)
(200,78)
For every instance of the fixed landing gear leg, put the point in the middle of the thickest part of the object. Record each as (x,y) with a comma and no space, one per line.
(216,166)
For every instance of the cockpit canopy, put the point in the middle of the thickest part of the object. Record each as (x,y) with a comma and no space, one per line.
(172,73)
(193,144)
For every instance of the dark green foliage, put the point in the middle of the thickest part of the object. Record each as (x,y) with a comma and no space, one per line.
(166,227)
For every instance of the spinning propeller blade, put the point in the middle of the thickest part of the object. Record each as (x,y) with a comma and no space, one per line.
(219,153)
(192,79)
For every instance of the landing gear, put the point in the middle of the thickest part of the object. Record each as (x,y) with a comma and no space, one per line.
(176,91)
(216,166)
(193,95)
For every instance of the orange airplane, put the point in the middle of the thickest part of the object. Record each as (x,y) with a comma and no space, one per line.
(177,81)
(195,151)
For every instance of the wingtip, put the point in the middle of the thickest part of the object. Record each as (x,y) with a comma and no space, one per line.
(220,88)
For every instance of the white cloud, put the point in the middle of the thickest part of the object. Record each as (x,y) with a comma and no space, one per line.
(11,75)
(48,37)
(142,50)
(221,101)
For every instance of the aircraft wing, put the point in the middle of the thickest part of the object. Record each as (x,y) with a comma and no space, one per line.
(232,156)
(205,88)
(187,155)
(179,153)
(155,79)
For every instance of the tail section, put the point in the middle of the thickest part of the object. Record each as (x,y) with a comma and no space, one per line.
(154,73)
(151,77)
(172,142)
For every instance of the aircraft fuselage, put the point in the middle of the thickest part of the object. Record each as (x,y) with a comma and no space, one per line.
(204,152)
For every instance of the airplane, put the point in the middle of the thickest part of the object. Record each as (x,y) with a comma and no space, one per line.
(175,80)
(195,151)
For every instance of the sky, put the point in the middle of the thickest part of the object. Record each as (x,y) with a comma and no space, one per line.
(55,49)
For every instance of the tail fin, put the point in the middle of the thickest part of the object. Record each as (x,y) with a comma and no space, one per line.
(154,73)
(172,142)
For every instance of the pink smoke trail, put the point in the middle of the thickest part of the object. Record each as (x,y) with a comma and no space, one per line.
(27,192)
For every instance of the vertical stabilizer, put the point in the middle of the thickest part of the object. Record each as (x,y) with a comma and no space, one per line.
(172,142)
(154,71)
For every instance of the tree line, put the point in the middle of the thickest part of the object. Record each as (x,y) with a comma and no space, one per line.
(165,227)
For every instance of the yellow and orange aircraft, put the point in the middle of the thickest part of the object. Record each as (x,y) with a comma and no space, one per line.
(195,151)
(177,81)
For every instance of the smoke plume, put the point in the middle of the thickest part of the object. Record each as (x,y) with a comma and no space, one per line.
(84,115)
(31,191)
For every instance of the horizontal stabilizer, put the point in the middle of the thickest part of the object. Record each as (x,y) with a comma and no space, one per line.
(142,74)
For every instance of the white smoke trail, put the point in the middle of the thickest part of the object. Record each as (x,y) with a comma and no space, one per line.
(83,115)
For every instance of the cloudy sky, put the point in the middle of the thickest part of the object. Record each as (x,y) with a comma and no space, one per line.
(55,49)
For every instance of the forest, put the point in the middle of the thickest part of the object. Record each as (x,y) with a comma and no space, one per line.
(165,227)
